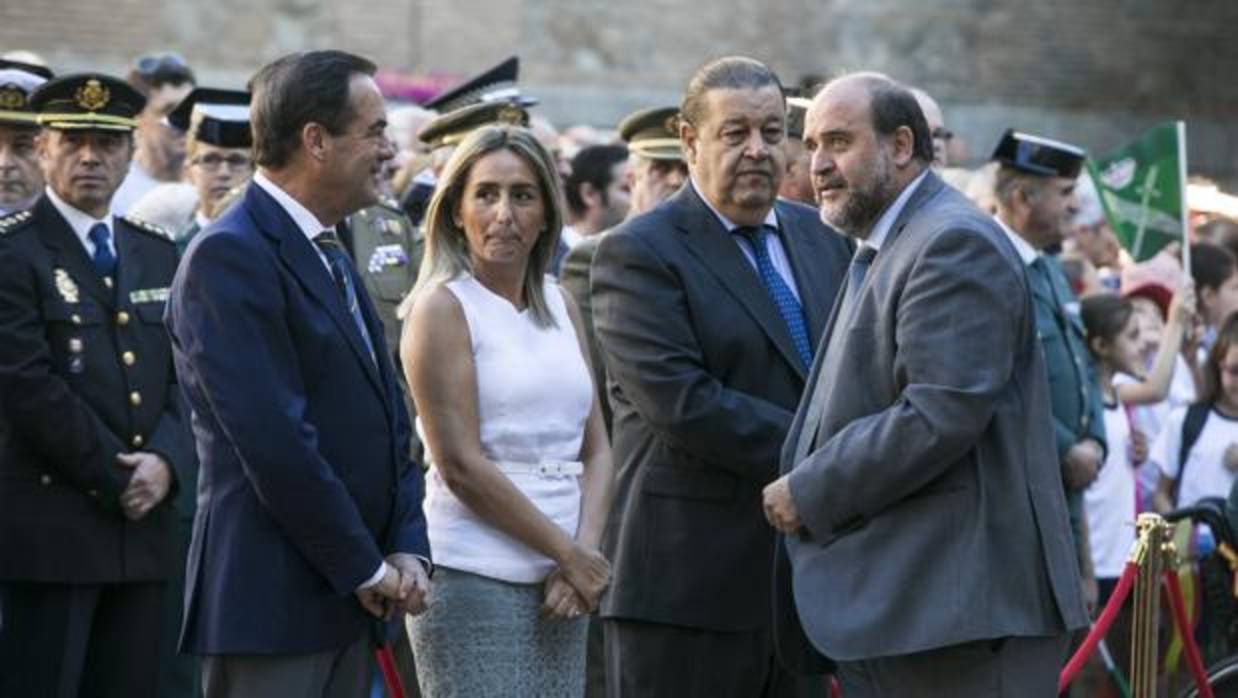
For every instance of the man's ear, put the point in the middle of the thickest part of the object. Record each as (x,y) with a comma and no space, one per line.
(314,140)
(590,195)
(904,142)
(688,140)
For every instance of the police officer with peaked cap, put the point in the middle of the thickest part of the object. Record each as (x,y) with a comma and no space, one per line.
(21,182)
(98,431)
(1036,204)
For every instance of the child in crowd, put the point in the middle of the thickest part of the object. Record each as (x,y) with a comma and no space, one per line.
(1197,451)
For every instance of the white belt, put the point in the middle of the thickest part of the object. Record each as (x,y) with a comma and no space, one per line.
(545,468)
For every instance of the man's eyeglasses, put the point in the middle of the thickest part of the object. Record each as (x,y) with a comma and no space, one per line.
(942,134)
(213,161)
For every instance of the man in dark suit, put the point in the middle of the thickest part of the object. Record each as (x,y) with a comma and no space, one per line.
(925,523)
(97,434)
(707,309)
(309,522)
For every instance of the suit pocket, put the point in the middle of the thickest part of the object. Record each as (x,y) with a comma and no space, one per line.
(682,483)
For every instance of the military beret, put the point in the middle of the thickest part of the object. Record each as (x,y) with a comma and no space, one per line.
(653,133)
(497,84)
(797,108)
(218,117)
(452,127)
(87,101)
(17,82)
(1039,156)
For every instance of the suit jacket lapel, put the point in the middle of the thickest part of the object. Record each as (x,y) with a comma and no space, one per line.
(713,245)
(303,261)
(809,278)
(69,254)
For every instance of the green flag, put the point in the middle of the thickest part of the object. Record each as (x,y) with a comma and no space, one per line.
(1142,188)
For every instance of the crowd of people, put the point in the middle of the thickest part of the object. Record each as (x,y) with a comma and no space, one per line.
(747,393)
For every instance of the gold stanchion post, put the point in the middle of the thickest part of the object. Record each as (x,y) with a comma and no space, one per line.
(1149,553)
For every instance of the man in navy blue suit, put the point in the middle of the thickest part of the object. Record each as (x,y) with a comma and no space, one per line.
(309,523)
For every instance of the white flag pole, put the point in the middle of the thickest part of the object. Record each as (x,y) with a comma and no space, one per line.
(1186,234)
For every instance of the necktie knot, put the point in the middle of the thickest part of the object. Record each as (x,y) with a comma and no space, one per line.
(754,234)
(865,254)
(104,260)
(328,239)
(99,234)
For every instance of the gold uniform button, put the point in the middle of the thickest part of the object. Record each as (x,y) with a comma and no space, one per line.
(129,358)
(122,318)
(135,398)
(77,319)
(137,441)
(46,480)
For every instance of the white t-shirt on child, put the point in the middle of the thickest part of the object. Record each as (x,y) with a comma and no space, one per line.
(1110,500)
(1206,474)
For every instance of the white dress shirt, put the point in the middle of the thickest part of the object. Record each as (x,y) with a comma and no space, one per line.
(773,244)
(81,223)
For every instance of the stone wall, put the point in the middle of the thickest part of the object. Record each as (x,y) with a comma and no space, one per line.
(1095,73)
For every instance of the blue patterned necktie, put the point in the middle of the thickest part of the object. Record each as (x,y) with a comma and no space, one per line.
(105,261)
(788,307)
(340,265)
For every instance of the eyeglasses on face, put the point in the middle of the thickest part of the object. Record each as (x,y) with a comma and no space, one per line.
(213,161)
(942,134)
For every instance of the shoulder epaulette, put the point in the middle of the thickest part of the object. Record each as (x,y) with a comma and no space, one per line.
(146,226)
(13,221)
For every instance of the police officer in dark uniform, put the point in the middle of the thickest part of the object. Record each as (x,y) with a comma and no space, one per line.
(1035,190)
(21,182)
(98,430)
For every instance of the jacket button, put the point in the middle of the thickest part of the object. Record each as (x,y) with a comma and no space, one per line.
(77,319)
(122,318)
(45,479)
(129,358)
(135,398)
(137,441)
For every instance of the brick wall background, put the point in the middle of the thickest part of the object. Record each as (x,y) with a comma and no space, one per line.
(1095,73)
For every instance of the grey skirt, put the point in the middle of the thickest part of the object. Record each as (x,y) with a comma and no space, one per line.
(483,637)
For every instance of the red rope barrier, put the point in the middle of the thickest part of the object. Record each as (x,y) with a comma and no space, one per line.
(391,678)
(1100,627)
(1174,591)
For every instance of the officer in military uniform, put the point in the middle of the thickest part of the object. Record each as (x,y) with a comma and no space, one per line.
(658,170)
(98,431)
(21,182)
(1036,203)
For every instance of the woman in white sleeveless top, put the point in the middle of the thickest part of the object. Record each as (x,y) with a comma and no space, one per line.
(520,479)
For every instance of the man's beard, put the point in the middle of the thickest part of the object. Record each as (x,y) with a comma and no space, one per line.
(864,205)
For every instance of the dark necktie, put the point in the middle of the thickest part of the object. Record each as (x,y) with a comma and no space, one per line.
(855,279)
(105,261)
(340,265)
(784,299)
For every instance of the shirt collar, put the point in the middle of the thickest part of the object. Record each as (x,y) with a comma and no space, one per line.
(771,218)
(881,229)
(308,223)
(1027,253)
(80,221)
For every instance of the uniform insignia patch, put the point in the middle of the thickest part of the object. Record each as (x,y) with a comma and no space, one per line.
(66,286)
(92,96)
(149,295)
(385,256)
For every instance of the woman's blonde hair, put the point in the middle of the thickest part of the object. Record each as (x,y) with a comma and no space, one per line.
(447,250)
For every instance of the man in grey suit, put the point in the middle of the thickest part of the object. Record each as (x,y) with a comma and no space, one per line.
(921,500)
(706,309)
